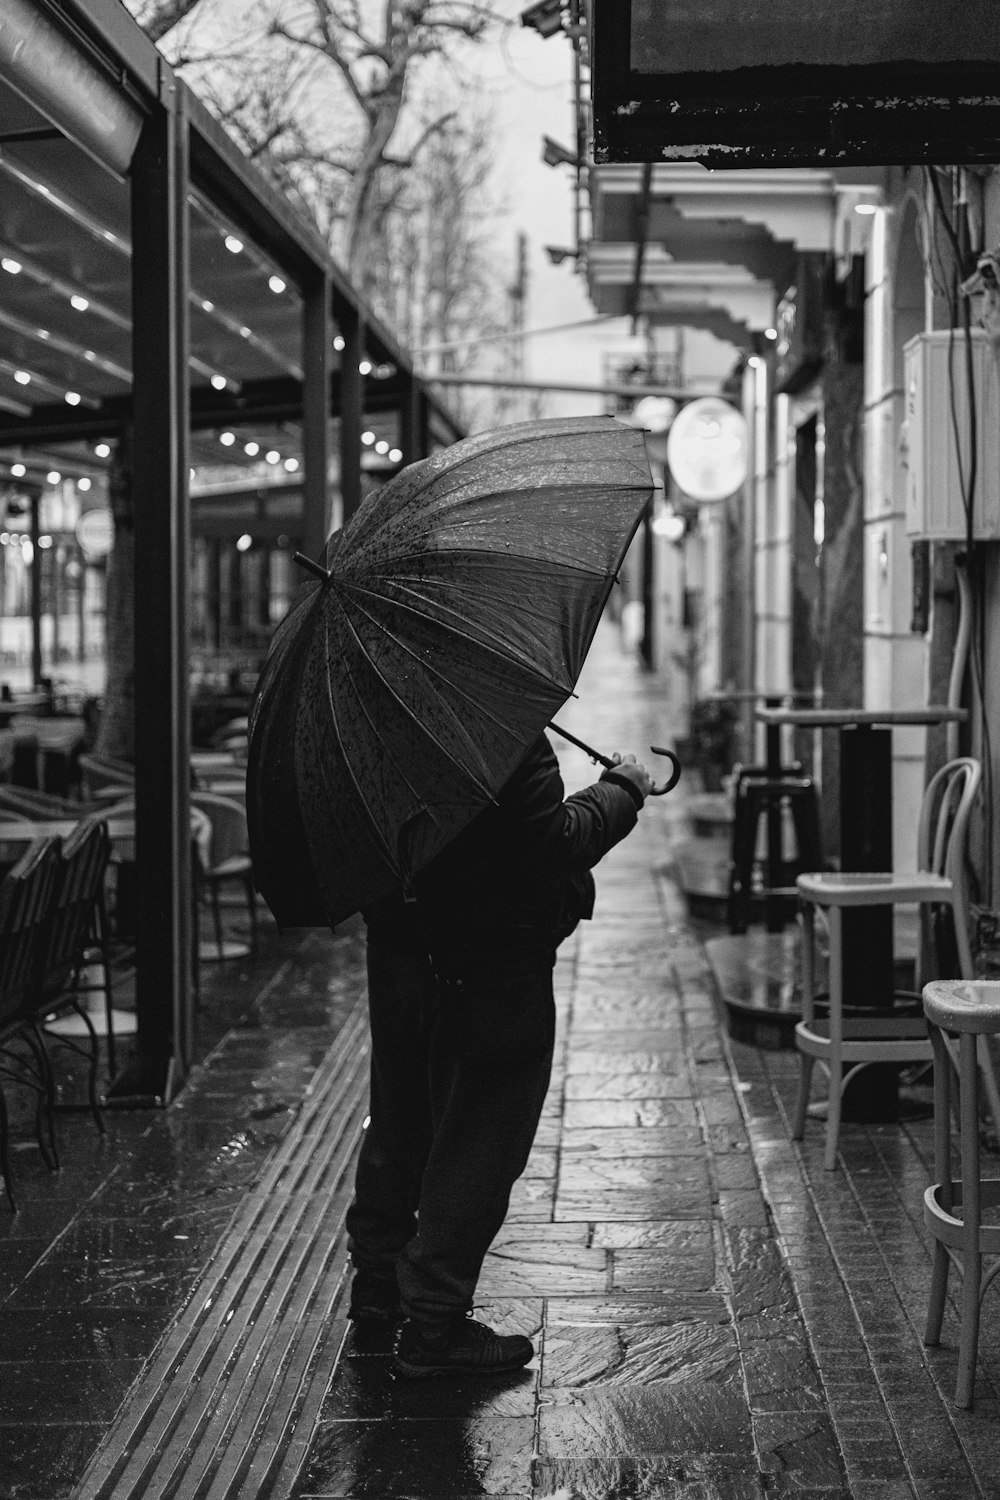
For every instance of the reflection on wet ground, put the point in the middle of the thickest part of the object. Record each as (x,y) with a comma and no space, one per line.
(715,1318)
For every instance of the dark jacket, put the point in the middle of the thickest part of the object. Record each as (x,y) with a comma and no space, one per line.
(519,874)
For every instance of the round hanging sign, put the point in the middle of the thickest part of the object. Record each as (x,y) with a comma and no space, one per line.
(707,449)
(95,531)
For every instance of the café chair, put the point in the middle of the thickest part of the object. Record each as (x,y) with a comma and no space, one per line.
(77,938)
(954,1211)
(226,860)
(853,1042)
(26,896)
(37,806)
(105,776)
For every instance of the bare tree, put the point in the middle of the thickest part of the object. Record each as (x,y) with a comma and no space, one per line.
(159,17)
(374,49)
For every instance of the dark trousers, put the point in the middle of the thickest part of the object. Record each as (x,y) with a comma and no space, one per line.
(459,1073)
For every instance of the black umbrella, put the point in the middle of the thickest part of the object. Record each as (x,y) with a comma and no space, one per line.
(450,621)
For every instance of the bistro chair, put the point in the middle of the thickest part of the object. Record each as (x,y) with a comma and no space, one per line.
(78,935)
(106,777)
(37,806)
(840,1040)
(226,860)
(26,896)
(954,1211)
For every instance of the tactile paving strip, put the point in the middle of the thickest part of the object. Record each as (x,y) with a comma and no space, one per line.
(225,1407)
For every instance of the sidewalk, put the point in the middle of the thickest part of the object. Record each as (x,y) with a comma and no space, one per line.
(716,1317)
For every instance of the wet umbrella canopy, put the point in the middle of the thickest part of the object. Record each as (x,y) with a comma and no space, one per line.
(402,691)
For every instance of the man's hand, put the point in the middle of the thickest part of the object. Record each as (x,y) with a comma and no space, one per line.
(628,768)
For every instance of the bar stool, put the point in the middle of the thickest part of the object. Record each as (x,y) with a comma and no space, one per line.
(953,1210)
(761,798)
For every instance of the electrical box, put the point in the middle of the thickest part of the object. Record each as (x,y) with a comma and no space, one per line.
(936,437)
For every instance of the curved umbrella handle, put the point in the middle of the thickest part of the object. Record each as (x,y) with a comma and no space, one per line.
(672,779)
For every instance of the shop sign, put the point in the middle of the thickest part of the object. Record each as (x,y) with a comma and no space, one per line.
(742,83)
(707,449)
(95,532)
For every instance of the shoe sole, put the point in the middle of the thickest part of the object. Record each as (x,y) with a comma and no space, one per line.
(428,1372)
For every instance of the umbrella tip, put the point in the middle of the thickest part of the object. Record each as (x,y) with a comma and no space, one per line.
(312,566)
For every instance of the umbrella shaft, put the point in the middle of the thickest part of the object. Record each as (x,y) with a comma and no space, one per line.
(602,760)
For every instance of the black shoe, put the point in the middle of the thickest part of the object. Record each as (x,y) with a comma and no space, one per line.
(465,1347)
(374,1298)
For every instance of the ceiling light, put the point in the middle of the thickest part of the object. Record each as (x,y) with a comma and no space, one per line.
(368,437)
(227,439)
(866,208)
(207,306)
(395,454)
(381,446)
(53,477)
(276,284)
(83,484)
(103,450)
(11,266)
(72,398)
(338,342)
(245,332)
(18,471)
(244,542)
(233,244)
(365,368)
(80,303)
(22,377)
(273,456)
(755,361)
(45,541)
(251,449)
(770,333)
(219,382)
(291,464)
(192,473)
(43,333)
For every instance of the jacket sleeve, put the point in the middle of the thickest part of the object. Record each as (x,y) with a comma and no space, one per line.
(559,835)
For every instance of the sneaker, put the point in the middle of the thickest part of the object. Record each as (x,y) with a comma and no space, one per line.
(464,1347)
(374,1298)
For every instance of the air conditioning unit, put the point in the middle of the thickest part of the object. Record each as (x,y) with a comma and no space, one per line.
(936,440)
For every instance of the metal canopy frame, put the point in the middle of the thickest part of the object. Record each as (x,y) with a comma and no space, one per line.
(187,183)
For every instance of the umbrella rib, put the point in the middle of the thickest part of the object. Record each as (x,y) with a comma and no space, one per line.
(507,656)
(357,787)
(479,785)
(364,709)
(433,671)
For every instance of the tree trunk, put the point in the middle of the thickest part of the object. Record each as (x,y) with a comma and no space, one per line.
(116,735)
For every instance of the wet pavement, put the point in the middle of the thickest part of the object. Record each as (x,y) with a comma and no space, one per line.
(715,1317)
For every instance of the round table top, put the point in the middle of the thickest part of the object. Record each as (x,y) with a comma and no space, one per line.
(824,718)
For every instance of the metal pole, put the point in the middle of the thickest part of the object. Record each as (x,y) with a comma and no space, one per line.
(351,407)
(316,415)
(34,522)
(162,526)
(634,392)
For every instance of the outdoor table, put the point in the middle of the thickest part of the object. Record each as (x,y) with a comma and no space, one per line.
(865,817)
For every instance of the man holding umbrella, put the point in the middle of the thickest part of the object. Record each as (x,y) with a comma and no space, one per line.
(398,766)
(463,1025)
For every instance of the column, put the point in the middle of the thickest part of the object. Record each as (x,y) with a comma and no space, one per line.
(160,478)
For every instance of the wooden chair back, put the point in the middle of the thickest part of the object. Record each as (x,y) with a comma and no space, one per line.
(79,886)
(942,845)
(27,893)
